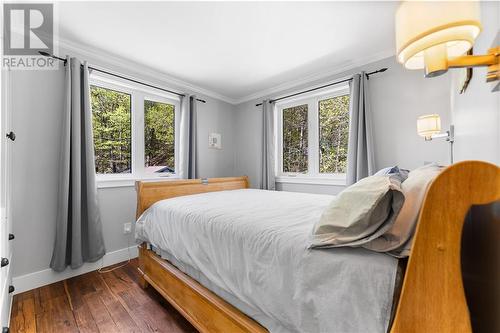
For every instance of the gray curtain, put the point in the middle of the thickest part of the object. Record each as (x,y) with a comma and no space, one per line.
(360,154)
(188,138)
(268,149)
(79,236)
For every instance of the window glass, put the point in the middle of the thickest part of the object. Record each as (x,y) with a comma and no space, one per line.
(295,139)
(159,137)
(333,134)
(111,120)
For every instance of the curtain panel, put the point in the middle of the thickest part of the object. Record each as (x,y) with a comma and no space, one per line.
(188,146)
(79,235)
(360,151)
(268,148)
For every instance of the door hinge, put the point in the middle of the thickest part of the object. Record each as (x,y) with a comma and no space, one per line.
(4,262)
(11,135)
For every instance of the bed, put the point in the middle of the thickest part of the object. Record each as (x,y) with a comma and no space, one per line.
(232,259)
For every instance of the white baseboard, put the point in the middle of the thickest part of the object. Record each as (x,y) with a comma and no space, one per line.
(44,277)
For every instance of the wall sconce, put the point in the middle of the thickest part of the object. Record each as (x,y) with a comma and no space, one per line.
(435,35)
(429,127)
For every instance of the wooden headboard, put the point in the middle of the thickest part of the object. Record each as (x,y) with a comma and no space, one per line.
(150,192)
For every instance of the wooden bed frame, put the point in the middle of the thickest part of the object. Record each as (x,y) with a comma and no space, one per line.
(432,297)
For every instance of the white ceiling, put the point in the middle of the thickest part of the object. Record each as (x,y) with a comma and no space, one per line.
(235,49)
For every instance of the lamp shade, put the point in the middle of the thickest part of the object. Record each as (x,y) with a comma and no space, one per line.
(428,125)
(430,32)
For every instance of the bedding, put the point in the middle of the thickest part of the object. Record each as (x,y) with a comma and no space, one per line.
(360,213)
(402,174)
(398,239)
(252,248)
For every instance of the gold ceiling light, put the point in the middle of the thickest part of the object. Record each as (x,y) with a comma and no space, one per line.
(436,35)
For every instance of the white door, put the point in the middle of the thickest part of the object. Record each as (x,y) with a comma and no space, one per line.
(6,144)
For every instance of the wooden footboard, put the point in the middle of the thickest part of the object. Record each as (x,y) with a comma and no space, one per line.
(432,297)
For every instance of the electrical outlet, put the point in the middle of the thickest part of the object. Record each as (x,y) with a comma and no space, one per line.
(127,228)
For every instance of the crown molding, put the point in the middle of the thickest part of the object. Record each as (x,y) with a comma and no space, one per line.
(176,83)
(316,76)
(106,57)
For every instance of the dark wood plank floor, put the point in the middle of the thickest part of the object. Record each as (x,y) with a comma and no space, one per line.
(93,302)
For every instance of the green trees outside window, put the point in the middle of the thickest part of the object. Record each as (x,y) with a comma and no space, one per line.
(159,136)
(315,134)
(333,134)
(111,120)
(295,139)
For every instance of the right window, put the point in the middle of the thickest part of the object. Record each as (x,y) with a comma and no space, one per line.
(159,137)
(313,134)
(333,134)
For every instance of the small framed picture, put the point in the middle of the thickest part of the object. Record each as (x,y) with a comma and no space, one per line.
(214,141)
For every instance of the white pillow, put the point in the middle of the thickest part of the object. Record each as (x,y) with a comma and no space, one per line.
(360,213)
(397,240)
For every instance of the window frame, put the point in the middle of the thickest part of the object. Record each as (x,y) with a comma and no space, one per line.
(313,176)
(138,94)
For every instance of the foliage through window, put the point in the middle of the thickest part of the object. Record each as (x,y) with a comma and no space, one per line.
(159,136)
(295,139)
(313,135)
(333,134)
(134,130)
(111,120)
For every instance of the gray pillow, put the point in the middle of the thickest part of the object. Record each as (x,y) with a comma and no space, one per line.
(402,174)
(397,240)
(360,213)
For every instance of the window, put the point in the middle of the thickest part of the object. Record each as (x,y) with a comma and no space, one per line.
(112,126)
(159,136)
(313,133)
(135,131)
(333,134)
(295,140)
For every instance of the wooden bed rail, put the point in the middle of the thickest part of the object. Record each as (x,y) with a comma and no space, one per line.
(432,298)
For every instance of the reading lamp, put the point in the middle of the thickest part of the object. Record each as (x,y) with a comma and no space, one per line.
(429,127)
(435,35)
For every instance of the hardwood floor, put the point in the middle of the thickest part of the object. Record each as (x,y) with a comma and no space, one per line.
(93,302)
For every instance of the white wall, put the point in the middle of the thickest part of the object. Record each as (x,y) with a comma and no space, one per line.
(37,112)
(398,97)
(476,113)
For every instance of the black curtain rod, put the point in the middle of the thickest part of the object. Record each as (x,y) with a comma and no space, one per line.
(321,87)
(45,54)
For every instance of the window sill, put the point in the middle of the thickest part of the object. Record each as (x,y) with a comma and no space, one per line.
(336,180)
(128,181)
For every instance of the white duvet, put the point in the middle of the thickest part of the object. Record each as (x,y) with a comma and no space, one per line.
(253,247)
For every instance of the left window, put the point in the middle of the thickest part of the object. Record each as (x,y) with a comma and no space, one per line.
(112,127)
(135,131)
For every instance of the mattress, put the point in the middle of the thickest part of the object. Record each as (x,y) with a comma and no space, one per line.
(251,247)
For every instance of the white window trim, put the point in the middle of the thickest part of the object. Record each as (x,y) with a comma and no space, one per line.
(313,176)
(138,94)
